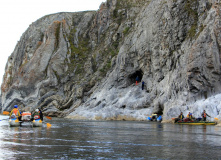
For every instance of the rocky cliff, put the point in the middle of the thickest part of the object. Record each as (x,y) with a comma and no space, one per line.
(84,64)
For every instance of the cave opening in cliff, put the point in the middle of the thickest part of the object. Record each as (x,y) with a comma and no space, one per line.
(159,109)
(132,78)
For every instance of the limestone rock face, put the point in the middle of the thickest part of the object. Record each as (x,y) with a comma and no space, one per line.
(84,64)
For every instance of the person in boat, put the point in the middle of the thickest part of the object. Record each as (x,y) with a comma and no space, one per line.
(204,115)
(36,115)
(15,113)
(190,116)
(180,117)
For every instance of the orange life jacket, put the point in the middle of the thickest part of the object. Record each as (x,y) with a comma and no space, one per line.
(15,111)
(204,114)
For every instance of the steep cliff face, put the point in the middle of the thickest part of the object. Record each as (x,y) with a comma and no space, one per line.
(86,63)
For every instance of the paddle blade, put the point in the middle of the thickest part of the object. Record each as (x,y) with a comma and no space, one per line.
(48,125)
(48,117)
(216,118)
(5,112)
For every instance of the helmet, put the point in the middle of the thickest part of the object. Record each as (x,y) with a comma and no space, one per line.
(15,106)
(36,110)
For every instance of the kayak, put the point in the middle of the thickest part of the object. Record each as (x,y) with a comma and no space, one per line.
(37,123)
(197,123)
(14,122)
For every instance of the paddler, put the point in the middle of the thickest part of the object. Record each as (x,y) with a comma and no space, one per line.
(190,116)
(204,114)
(15,113)
(36,114)
(180,117)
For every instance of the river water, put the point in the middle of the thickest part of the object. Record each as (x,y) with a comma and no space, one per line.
(72,139)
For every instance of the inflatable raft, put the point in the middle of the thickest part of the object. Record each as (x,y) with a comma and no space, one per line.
(154,117)
(26,118)
(14,122)
(37,123)
(197,123)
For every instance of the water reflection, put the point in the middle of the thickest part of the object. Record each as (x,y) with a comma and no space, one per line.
(68,139)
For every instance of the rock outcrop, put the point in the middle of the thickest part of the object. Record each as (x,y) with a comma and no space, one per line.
(85,63)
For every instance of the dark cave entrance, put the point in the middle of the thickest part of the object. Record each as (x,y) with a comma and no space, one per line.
(159,109)
(132,77)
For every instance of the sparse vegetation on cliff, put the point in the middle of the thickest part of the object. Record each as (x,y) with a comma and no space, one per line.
(190,7)
(79,51)
(57,33)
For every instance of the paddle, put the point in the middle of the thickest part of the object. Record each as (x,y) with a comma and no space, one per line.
(48,125)
(216,118)
(48,117)
(5,112)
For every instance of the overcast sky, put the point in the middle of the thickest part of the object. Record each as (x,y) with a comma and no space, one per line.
(17,15)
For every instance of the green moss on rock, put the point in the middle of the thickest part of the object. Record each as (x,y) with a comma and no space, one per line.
(79,52)
(57,34)
(192,13)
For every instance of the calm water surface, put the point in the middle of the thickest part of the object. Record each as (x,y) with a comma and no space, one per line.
(71,139)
